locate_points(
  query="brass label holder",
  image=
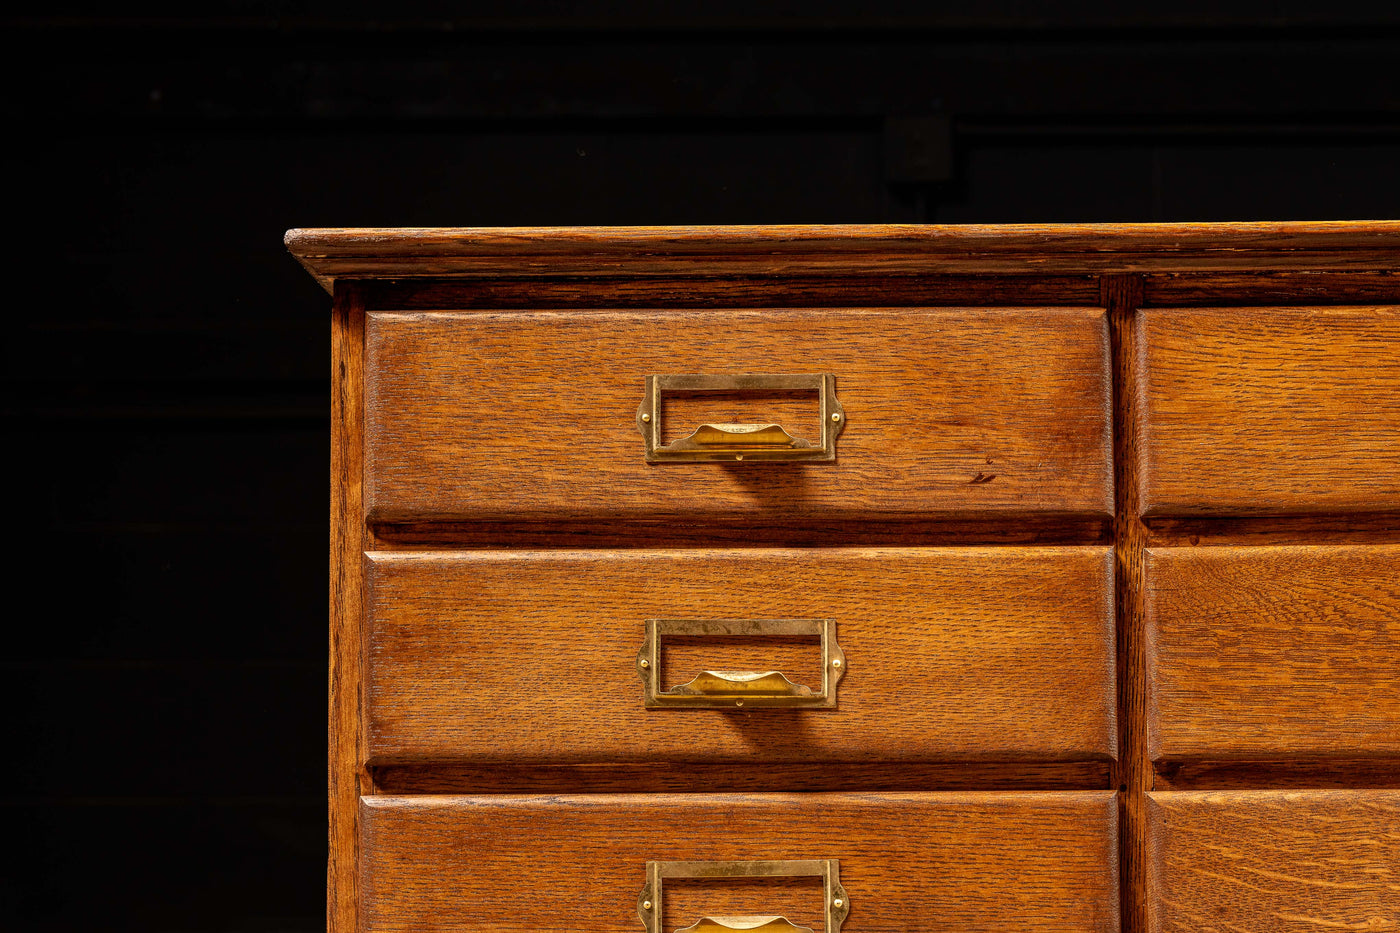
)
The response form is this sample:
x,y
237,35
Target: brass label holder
x,y
837,905
735,689
716,443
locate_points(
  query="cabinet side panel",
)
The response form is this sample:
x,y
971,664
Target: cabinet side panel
x,y
347,571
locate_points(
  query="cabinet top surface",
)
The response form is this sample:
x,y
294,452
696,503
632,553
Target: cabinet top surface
x,y
1009,249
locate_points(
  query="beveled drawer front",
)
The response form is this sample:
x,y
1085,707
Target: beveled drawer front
x,y
1273,652
929,862
950,654
1268,410
1273,861
531,415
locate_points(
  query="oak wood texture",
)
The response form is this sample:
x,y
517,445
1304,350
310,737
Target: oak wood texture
x,y
1273,652
961,862
1122,295
346,779
805,250
951,654
484,437
1269,410
1274,861
494,415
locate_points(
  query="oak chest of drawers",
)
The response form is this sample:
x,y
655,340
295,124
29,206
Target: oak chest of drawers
x,y
865,578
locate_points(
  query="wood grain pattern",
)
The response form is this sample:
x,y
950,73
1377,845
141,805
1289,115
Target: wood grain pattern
x,y
1273,652
1250,402
1274,861
952,412
1122,295
930,862
1269,410
885,248
346,780
966,654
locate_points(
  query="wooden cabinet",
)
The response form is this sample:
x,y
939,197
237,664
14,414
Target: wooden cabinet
x,y
864,578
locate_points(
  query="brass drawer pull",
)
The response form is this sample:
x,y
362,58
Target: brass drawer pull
x,y
728,442
729,689
837,905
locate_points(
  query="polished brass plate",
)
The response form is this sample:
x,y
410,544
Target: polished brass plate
x,y
735,689
722,442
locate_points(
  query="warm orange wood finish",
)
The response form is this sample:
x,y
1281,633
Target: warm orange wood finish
x,y
346,775
1248,645
1218,405
492,415
1122,296
531,656
852,250
1274,861
971,863
1269,410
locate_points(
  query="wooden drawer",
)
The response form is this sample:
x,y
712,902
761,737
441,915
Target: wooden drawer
x,y
928,862
533,415
1273,652
1268,410
950,654
1273,861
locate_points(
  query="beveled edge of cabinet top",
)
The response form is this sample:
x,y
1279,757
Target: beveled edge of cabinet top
x,y
1026,249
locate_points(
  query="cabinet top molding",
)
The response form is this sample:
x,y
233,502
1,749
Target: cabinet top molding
x,y
1004,249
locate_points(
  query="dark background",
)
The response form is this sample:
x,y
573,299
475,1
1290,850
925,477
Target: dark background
x,y
165,413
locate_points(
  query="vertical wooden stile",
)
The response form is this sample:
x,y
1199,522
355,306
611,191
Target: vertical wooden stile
x,y
1122,295
347,544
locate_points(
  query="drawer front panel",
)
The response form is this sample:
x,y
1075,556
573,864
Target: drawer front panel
x,y
1273,861
953,412
950,654
1269,410
1273,652
928,862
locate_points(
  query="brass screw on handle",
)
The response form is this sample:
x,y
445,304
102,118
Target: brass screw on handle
x,y
646,905
644,662
835,416
836,662
838,903
646,417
